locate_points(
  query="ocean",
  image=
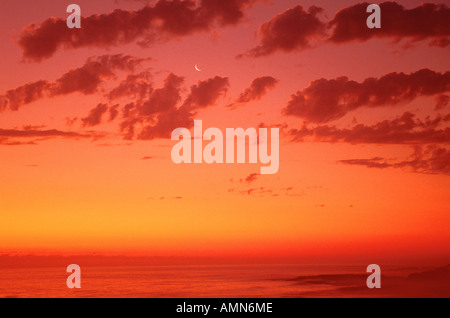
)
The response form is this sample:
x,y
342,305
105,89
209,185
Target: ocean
x,y
219,281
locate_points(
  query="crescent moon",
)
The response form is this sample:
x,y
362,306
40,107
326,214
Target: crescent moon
x,y
197,69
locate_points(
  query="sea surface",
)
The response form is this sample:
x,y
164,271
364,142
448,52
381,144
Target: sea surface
x,y
215,281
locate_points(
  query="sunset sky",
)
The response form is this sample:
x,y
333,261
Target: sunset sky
x,y
87,114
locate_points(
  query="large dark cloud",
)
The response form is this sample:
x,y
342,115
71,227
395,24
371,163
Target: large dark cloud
x,y
406,129
296,29
428,21
290,30
154,22
141,117
164,110
325,100
85,80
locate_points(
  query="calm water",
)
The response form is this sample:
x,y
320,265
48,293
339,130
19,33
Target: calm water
x,y
190,281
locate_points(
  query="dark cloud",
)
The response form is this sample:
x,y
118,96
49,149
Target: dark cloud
x,y
430,159
85,80
252,177
31,136
95,115
155,22
442,101
4,141
39,133
113,112
428,21
297,29
206,93
293,29
325,100
258,88
406,129
162,99
163,111
166,122
376,162
136,86
28,93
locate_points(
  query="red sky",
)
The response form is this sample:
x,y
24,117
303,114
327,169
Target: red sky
x,y
86,117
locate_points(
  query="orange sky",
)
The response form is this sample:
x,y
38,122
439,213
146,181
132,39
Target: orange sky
x,y
361,177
